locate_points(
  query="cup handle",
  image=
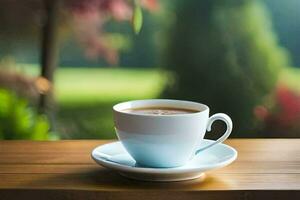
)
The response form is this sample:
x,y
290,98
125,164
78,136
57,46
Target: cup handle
x,y
219,116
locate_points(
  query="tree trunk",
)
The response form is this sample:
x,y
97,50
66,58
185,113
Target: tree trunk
x,y
49,48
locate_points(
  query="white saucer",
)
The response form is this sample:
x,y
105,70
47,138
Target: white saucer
x,y
215,157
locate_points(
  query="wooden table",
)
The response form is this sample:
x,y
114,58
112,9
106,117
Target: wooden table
x,y
265,168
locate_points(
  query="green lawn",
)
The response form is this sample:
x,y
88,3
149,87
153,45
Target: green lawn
x,y
85,97
83,85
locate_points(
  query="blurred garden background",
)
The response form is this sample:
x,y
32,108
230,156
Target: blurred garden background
x,y
65,63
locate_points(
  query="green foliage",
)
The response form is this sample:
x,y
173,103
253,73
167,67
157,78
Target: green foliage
x,y
284,15
137,17
224,54
290,77
18,120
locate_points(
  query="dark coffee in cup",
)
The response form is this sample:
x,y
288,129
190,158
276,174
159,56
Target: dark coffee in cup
x,y
160,110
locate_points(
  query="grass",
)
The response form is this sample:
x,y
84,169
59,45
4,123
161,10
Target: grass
x,y
85,97
84,85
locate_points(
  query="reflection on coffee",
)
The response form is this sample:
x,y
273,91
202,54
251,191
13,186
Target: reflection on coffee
x,y
160,111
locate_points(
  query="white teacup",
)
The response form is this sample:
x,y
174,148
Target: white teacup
x,y
165,140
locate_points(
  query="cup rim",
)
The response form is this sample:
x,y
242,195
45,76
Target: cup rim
x,y
116,107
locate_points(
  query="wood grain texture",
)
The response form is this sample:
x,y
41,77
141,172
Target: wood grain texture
x,y
264,168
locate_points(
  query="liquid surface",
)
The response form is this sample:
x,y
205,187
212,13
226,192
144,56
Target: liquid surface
x,y
160,111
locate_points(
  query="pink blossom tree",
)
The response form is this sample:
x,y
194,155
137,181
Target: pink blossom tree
x,y
88,18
